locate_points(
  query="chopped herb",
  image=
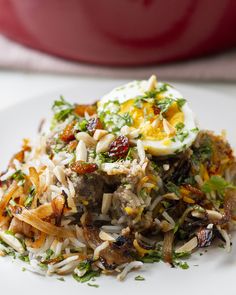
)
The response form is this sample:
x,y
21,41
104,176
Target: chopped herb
x,y
19,176
88,272
183,265
87,276
24,258
195,129
163,88
49,253
164,104
139,278
217,184
82,125
152,256
62,109
30,197
130,155
43,266
180,102
179,126
93,285
23,269
61,279
171,187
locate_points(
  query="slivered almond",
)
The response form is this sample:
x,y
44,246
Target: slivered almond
x,y
87,139
106,237
152,83
189,246
104,143
99,133
168,128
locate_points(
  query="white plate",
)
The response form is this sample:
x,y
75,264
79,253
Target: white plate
x,y
216,269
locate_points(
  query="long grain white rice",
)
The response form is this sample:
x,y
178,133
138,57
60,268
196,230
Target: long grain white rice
x,y
97,250
128,268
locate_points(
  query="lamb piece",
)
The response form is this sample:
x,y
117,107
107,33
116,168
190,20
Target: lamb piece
x,y
89,188
123,198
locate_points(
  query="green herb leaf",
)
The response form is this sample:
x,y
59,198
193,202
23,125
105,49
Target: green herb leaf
x,y
61,279
217,184
49,253
87,276
93,285
171,187
164,104
139,278
180,102
62,109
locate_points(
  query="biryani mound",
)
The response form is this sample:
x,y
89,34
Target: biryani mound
x,y
86,201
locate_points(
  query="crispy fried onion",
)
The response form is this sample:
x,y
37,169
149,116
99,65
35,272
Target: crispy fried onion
x,y
30,217
168,246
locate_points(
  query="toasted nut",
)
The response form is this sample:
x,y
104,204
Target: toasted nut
x,y
81,151
189,246
12,241
106,237
104,143
99,133
87,139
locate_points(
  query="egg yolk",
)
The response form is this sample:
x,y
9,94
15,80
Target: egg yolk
x,y
147,121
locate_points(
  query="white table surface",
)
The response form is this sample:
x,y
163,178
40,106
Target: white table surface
x,y
18,86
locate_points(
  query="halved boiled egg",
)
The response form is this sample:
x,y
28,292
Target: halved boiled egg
x,y
151,111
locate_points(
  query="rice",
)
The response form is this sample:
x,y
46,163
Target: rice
x,y
128,268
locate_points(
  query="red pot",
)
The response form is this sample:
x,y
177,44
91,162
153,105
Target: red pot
x,y
121,32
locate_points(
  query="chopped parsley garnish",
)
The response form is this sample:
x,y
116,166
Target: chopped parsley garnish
x,y
139,278
30,197
93,285
164,104
87,276
61,279
24,258
49,253
19,176
171,187
88,272
179,126
43,266
62,109
82,125
217,184
180,102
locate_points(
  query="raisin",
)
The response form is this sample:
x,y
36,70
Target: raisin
x,y
68,133
93,124
156,110
80,109
119,147
81,167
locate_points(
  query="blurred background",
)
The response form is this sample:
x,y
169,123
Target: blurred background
x,y
45,44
